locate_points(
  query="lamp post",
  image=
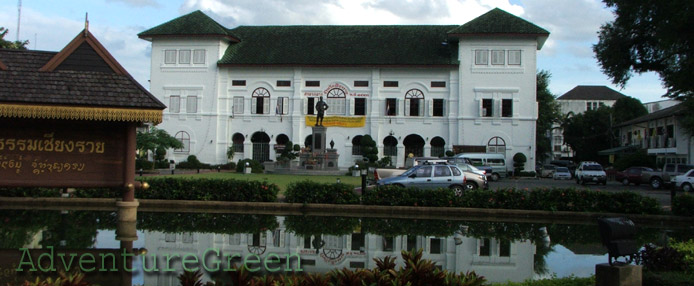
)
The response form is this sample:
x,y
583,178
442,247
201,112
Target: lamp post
x,y
363,180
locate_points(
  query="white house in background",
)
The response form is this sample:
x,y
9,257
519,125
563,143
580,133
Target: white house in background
x,y
578,100
660,133
418,89
661,104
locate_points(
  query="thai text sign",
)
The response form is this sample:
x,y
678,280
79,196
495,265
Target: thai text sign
x,y
338,121
52,153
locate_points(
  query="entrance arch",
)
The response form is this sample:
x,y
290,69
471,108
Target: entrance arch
x,y
414,144
261,146
438,146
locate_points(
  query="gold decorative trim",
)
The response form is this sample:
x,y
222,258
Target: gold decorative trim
x,y
80,113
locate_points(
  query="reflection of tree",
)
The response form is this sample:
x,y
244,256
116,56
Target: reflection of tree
x,y
396,227
317,225
205,222
61,230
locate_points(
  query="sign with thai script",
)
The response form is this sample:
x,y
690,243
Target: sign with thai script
x,y
332,86
52,153
338,121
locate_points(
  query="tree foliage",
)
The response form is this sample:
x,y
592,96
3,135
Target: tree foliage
x,y
16,45
369,149
548,114
628,108
589,132
649,36
154,139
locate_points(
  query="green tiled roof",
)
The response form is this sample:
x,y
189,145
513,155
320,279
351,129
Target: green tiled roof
x,y
498,21
193,24
341,45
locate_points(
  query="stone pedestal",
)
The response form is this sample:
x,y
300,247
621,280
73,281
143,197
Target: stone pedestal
x,y
618,275
127,211
318,139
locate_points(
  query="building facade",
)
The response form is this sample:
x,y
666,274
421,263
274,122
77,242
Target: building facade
x,y
417,90
576,101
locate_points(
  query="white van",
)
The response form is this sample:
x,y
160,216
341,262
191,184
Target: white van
x,y
495,160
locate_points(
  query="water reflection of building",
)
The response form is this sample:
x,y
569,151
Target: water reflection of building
x,y
497,259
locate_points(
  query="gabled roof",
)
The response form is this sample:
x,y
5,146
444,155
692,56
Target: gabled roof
x,y
83,82
195,24
663,113
499,22
591,92
396,45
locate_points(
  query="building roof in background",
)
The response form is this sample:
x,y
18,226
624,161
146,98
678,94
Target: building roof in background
x,y
663,113
195,23
83,81
591,92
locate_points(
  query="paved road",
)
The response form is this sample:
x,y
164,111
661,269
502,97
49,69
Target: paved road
x,y
662,195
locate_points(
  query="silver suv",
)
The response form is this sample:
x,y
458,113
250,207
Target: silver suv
x,y
429,176
590,172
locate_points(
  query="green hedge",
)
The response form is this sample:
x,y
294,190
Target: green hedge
x,y
173,188
683,205
29,192
555,199
309,192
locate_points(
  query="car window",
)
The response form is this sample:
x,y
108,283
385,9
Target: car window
x,y
476,162
424,171
442,171
669,168
634,171
495,162
549,167
456,171
691,174
562,170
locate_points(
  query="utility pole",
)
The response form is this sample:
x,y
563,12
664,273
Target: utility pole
x,y
19,16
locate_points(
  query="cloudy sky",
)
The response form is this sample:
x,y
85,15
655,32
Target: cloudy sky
x,y
567,55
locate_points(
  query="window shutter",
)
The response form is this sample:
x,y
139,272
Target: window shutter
x,y
498,108
306,106
254,105
407,107
352,106
481,107
430,103
285,105
443,107
266,105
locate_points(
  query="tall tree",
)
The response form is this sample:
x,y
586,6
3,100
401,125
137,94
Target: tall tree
x,y
4,44
589,132
628,108
649,36
155,139
548,114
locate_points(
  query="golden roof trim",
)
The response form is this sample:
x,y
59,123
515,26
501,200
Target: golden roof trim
x,y
80,113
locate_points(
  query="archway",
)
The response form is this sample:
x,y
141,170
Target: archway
x,y
261,146
237,141
390,148
356,145
414,144
308,140
438,147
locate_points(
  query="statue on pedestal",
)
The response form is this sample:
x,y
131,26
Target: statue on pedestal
x,y
321,107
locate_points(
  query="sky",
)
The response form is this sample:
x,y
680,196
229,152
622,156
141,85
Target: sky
x,y
573,25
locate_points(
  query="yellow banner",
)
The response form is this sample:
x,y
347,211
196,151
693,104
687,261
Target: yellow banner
x,y
338,121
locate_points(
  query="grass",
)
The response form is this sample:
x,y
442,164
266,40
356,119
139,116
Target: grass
x,y
554,281
282,181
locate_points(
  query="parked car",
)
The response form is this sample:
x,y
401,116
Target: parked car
x,y
661,178
561,173
459,161
429,176
590,172
685,181
547,171
474,178
565,163
631,175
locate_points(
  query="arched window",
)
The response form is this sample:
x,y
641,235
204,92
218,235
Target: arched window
x,y
356,145
237,140
261,146
496,145
184,137
336,101
260,103
390,146
438,146
414,103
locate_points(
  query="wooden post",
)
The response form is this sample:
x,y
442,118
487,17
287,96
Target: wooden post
x,y
129,163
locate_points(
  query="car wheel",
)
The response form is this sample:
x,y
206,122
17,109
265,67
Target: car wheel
x,y
687,187
470,186
458,190
656,183
625,182
495,177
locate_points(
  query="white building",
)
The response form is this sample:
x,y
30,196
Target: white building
x,y
414,89
576,101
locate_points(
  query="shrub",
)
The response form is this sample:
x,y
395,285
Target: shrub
x,y
29,192
450,153
174,188
311,192
655,258
683,205
667,278
141,163
527,174
227,166
519,162
192,162
256,167
686,248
